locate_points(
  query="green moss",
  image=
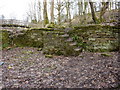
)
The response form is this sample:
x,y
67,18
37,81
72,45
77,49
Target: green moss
x,y
105,54
52,51
89,36
51,25
111,21
94,38
6,41
27,52
39,49
49,56
32,38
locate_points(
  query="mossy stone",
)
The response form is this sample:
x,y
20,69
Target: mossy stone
x,y
49,56
105,54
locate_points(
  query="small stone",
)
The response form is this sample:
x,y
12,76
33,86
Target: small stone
x,y
91,57
16,84
47,74
113,80
73,44
26,81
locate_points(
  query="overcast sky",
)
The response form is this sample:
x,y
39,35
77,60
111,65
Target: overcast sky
x,y
14,8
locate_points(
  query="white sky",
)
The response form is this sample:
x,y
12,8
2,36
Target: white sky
x,y
14,8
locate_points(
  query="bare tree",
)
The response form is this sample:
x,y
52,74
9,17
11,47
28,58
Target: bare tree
x,y
39,11
32,13
85,10
93,12
45,15
52,11
103,9
80,7
59,9
68,6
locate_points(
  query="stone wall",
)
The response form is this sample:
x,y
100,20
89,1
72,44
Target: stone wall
x,y
5,40
97,38
89,38
30,38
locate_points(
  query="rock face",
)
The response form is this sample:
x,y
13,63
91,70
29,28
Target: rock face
x,y
58,41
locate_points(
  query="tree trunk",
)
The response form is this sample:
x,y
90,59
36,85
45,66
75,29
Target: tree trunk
x,y
68,15
103,10
39,11
80,7
93,12
85,8
46,21
79,4
59,13
34,13
52,11
67,10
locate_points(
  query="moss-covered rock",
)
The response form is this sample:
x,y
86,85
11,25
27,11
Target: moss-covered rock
x,y
5,40
96,37
52,43
49,56
105,54
31,38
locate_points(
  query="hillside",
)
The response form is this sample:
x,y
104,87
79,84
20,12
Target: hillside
x,y
109,16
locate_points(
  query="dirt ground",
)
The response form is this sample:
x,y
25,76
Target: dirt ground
x,y
29,68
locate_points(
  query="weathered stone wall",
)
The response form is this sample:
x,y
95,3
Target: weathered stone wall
x,y
30,38
89,38
96,38
52,42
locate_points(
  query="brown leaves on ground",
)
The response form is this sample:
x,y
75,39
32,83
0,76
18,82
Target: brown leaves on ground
x,y
27,67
